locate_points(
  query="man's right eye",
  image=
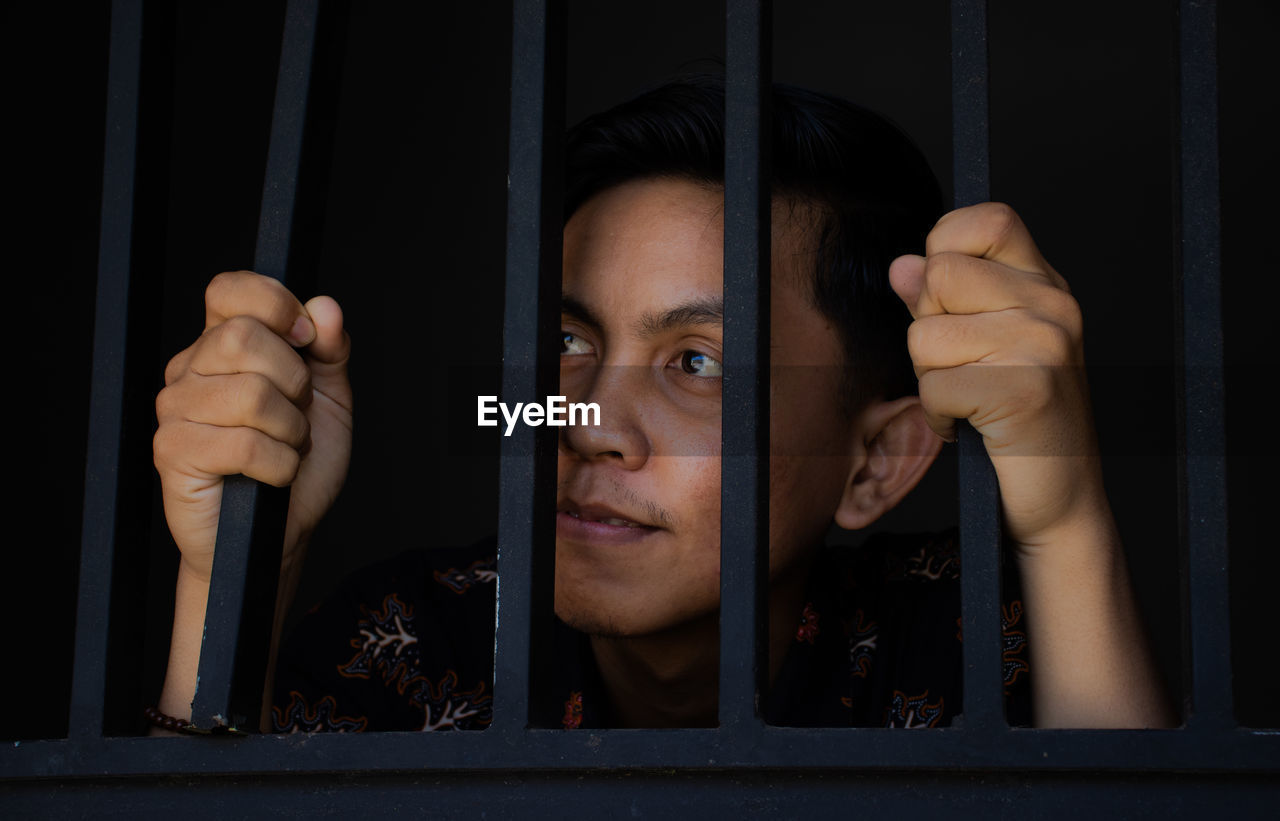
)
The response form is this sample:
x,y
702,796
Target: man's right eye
x,y
571,345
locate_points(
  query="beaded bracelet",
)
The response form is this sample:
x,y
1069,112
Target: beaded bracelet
x,y
166,722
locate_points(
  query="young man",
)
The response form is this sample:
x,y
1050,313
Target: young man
x,y
995,339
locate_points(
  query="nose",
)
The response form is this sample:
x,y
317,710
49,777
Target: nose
x,y
619,438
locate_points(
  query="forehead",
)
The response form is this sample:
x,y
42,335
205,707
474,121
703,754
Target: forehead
x,y
646,241
666,235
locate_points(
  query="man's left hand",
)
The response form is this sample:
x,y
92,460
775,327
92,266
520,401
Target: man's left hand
x,y
997,340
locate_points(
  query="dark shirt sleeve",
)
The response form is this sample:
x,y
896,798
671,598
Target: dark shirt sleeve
x,y
406,644
880,640
921,601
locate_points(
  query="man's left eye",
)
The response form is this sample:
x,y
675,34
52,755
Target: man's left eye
x,y
697,363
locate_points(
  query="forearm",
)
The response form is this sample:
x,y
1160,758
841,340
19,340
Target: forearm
x,y
1092,665
191,597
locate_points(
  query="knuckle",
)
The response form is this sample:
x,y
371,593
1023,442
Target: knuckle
x,y
248,447
1065,310
938,269
924,337
281,306
291,462
1049,342
266,459
304,434
1034,388
264,296
939,228
166,404
931,388
236,335
299,382
173,369
160,444
165,447
1059,342
943,271
998,218
916,339
281,466
253,395
220,285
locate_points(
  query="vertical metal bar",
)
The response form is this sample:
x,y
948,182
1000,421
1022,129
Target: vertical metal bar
x,y
234,654
530,369
1203,442
744,490
111,318
979,494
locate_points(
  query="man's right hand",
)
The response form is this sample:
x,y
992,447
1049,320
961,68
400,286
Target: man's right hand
x,y
263,392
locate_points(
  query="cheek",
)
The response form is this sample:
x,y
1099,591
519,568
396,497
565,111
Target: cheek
x,y
685,424
688,483
695,501
692,580
810,448
803,495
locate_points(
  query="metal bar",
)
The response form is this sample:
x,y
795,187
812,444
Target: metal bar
x,y
111,318
1203,446
744,490
527,487
665,795
234,654
979,494
1111,752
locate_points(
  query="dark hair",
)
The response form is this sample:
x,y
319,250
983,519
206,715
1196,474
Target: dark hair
x,y
875,196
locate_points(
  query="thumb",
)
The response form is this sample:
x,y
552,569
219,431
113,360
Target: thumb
x,y
329,351
906,277
331,344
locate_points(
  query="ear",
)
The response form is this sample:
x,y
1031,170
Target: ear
x,y
895,448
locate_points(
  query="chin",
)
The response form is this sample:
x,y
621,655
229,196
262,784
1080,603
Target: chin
x,y
596,612
594,617
594,625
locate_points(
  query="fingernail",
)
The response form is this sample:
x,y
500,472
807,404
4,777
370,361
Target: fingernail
x,y
302,331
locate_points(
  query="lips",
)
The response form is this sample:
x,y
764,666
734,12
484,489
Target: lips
x,y
600,514
608,521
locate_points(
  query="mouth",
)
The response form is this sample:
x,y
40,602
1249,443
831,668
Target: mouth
x,y
604,520
598,523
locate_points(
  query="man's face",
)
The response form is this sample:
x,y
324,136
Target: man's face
x,y
638,516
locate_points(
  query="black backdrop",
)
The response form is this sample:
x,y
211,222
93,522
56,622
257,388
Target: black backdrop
x,y
409,239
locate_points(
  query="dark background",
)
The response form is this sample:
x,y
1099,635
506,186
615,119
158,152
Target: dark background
x,y
410,240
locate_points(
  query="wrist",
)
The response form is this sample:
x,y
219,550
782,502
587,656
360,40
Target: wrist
x,y
1081,519
1082,554
194,573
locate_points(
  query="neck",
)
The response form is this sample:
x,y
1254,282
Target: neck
x,y
672,678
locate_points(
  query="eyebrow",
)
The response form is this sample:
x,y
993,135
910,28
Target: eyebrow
x,y
705,311
575,309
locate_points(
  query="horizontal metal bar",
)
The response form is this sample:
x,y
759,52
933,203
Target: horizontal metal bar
x,y
870,750
713,794
744,488
527,486
242,594
979,492
1204,441
107,389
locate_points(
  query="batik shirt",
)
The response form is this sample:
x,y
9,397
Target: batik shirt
x,y
407,644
